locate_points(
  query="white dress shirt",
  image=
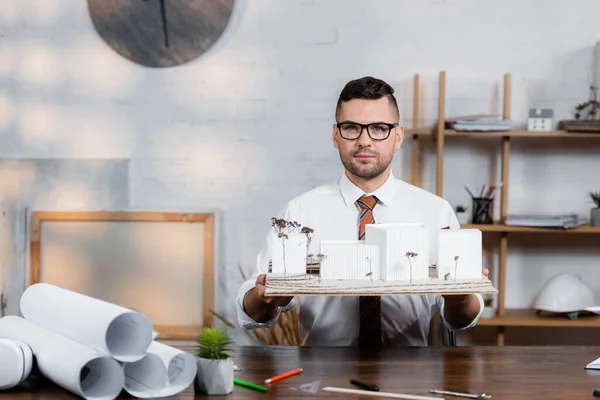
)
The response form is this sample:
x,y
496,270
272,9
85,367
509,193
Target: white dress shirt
x,y
333,214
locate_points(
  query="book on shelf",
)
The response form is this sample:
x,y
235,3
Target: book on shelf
x,y
565,221
480,122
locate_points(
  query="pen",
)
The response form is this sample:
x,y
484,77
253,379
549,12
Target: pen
x,y
470,193
365,386
284,375
250,385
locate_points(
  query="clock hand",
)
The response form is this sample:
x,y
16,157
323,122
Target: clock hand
x,y
163,14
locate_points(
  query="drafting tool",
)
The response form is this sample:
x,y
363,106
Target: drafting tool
x,y
457,393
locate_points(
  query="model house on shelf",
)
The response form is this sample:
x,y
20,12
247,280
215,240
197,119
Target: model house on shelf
x,y
540,120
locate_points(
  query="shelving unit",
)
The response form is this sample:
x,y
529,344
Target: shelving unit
x,y
438,134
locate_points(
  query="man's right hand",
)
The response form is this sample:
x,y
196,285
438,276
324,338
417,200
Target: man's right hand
x,y
260,307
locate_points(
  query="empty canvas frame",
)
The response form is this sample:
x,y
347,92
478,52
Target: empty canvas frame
x,y
161,264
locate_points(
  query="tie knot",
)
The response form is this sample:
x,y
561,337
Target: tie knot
x,y
367,202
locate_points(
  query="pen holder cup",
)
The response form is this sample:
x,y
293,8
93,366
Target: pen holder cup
x,y
482,211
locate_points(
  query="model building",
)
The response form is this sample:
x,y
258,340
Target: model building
x,y
390,252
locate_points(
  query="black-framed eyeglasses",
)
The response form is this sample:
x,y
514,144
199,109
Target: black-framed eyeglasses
x,y
350,130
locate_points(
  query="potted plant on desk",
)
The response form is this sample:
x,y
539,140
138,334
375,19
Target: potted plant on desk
x,y
215,365
488,308
595,212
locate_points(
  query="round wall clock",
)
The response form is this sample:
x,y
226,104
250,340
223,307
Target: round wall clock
x,y
160,33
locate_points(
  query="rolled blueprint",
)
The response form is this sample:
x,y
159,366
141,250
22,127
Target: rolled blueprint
x,y
71,365
146,377
120,332
181,368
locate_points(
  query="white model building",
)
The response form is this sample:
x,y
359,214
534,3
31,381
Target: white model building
x,y
355,260
390,252
459,254
404,250
289,253
540,119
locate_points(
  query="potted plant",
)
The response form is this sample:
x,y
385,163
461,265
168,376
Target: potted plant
x,y
215,365
595,212
488,308
461,214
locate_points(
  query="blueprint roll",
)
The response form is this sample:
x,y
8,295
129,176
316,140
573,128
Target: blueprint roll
x,y
71,365
120,332
181,368
146,377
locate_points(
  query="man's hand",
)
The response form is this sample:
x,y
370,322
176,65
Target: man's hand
x,y
260,307
461,309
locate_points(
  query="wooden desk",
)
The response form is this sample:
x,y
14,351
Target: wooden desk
x,y
504,372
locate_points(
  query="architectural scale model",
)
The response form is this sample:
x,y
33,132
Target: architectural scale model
x,y
393,259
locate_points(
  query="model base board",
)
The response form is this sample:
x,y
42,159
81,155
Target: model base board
x,y
311,285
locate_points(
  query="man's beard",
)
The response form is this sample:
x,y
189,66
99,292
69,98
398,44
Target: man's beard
x,y
363,171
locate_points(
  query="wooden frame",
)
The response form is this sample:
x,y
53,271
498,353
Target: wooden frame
x,y
186,332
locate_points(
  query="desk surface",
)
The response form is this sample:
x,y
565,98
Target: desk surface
x,y
504,372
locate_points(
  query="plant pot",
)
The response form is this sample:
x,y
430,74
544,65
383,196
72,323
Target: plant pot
x,y
214,377
463,218
488,312
595,217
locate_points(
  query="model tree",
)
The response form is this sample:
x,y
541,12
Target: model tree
x,y
410,255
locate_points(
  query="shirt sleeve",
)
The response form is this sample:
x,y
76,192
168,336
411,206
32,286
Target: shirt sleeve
x,y
473,323
262,267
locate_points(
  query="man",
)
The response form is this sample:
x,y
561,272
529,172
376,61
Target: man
x,y
367,134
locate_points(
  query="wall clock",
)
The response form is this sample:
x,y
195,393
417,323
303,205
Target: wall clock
x,y
160,33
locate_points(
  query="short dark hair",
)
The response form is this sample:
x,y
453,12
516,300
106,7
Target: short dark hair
x,y
368,88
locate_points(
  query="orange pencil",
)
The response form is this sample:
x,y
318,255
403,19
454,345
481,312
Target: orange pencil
x,y
284,375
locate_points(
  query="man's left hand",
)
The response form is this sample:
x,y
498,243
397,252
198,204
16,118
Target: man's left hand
x,y
454,300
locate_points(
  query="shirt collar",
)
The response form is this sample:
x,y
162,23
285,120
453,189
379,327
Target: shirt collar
x,y
350,192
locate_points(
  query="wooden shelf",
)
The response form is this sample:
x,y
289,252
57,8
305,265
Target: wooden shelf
x,y
515,133
528,229
422,136
525,317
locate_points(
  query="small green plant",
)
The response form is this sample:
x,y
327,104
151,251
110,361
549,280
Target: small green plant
x,y
461,209
488,302
595,196
214,344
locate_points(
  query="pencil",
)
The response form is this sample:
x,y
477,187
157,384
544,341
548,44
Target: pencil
x,y
284,375
379,394
250,385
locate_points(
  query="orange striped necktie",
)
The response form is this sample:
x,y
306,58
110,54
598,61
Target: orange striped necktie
x,y
370,333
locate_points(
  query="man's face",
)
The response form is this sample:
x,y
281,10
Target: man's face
x,y
364,157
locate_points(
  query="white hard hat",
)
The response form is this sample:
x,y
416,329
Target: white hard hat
x,y
565,293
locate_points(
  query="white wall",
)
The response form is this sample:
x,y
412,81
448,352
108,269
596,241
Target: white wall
x,y
247,126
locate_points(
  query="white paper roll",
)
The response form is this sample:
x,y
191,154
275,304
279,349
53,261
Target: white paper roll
x,y
181,368
71,365
146,377
120,332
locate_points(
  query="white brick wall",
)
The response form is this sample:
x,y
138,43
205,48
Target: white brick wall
x,y
249,124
